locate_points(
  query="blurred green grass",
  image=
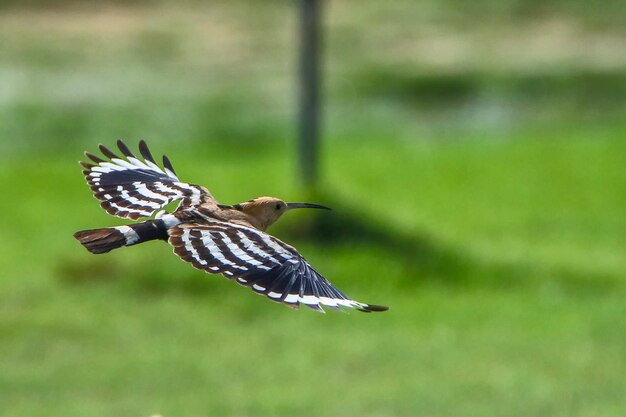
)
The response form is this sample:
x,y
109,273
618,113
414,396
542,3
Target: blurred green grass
x,y
506,291
484,203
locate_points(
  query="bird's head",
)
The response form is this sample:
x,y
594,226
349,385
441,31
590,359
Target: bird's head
x,y
265,211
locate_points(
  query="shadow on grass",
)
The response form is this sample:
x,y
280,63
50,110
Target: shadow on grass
x,y
428,261
423,259
136,278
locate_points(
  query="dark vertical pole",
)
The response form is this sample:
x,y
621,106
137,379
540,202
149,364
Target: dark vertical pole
x,y
309,90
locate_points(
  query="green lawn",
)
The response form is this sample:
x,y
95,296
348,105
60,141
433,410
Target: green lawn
x,y
482,201
503,263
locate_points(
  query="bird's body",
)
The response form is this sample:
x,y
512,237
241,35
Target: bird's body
x,y
217,238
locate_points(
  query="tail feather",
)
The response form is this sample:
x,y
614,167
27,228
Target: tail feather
x,y
101,240
109,238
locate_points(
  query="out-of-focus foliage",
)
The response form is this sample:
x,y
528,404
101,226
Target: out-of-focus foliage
x,y
474,154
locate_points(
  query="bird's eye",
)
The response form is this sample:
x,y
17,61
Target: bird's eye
x,y
278,206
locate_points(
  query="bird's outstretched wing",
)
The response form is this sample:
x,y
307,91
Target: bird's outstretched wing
x,y
131,188
259,261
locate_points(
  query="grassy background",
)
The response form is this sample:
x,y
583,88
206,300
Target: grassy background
x,y
476,171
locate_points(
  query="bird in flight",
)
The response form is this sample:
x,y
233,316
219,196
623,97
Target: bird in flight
x,y
216,238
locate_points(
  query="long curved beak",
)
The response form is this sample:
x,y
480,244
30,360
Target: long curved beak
x,y
306,205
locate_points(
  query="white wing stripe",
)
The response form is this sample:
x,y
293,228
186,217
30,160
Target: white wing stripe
x,y
276,247
239,253
191,249
137,163
291,298
110,166
208,242
195,192
185,186
129,210
248,244
122,163
103,169
155,167
170,174
284,253
331,302
164,188
144,191
309,299
134,200
346,303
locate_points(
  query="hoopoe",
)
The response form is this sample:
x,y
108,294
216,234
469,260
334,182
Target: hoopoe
x,y
217,238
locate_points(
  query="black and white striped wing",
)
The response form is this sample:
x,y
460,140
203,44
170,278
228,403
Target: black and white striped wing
x,y
131,188
259,261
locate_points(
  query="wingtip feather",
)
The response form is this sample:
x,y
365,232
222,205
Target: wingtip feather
x,y
93,157
369,308
106,152
168,165
145,151
124,149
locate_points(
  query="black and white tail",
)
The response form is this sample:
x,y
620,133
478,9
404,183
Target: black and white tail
x,y
109,238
